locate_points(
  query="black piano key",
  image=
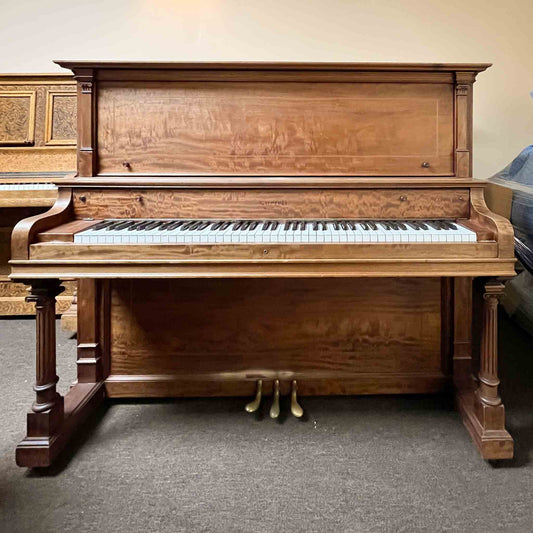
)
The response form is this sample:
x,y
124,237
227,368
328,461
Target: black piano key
x,y
372,225
237,225
204,225
216,225
114,225
401,225
393,225
315,226
254,225
186,225
138,224
324,225
129,224
245,225
154,224
413,225
275,225
452,226
175,224
363,225
446,225
350,224
165,225
422,225
266,225
287,226
225,225
343,225
102,225
432,224
335,225
303,225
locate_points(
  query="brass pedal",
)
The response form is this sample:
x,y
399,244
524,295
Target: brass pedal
x,y
274,410
253,406
296,408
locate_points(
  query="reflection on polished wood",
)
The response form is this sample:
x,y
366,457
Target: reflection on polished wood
x,y
274,141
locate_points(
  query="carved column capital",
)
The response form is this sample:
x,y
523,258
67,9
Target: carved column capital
x,y
462,90
43,292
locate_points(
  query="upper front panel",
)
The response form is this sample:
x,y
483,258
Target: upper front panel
x,y
275,128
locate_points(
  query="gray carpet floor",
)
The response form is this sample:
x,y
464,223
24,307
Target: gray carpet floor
x,y
361,464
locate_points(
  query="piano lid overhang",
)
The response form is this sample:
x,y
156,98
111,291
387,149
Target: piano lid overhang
x,y
266,66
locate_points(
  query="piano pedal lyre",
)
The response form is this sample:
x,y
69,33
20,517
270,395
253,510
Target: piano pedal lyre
x,y
296,408
274,409
253,406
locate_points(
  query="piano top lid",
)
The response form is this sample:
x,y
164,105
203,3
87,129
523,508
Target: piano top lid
x,y
274,66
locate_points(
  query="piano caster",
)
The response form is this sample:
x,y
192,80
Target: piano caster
x,y
274,410
296,408
253,406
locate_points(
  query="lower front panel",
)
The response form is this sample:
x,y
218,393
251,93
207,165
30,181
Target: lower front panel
x,y
335,336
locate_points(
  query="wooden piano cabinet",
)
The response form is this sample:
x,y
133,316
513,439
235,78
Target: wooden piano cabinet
x,y
259,141
37,145
217,337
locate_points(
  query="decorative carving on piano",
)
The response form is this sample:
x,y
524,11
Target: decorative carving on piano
x,y
24,143
60,122
462,90
17,118
87,87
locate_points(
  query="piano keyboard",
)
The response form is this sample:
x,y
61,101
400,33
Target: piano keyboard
x,y
26,186
174,231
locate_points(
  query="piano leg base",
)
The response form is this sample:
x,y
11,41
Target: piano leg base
x,y
80,402
486,427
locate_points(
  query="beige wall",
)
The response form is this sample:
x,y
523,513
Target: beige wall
x,y
33,32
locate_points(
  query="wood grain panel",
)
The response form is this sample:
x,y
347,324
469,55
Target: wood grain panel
x,y
286,203
17,117
276,128
261,327
55,246
60,121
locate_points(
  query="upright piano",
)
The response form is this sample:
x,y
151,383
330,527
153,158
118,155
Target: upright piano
x,y
267,229
37,147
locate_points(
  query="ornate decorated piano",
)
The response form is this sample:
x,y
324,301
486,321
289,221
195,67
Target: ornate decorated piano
x,y
37,147
269,229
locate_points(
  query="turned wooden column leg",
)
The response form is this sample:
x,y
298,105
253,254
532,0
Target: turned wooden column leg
x,y
480,404
489,406
488,364
53,420
46,413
